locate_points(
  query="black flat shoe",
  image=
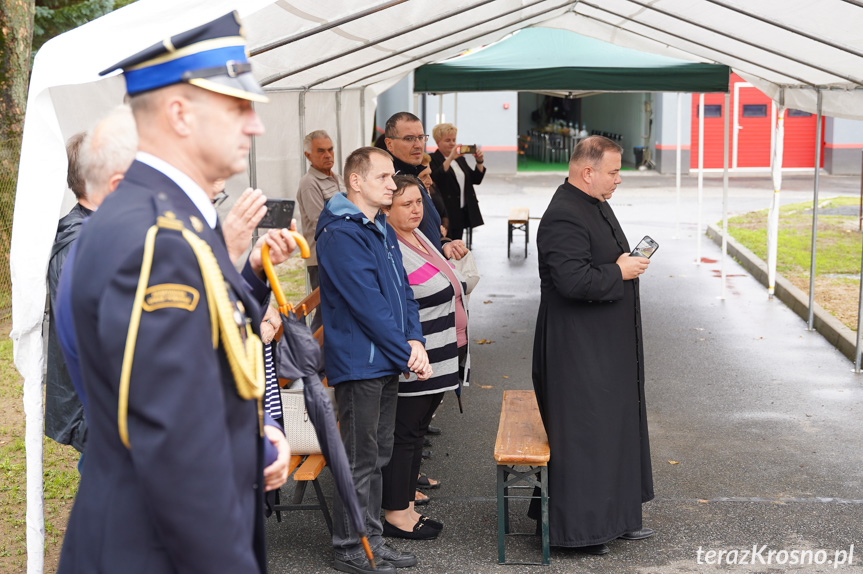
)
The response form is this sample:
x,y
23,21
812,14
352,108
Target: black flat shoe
x,y
433,430
423,483
427,454
593,549
361,565
431,522
421,531
421,501
638,534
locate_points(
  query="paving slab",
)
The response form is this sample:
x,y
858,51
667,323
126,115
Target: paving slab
x,y
755,422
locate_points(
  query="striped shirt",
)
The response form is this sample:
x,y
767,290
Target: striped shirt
x,y
272,398
436,296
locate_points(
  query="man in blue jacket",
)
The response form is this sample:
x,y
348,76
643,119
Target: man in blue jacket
x,y
372,334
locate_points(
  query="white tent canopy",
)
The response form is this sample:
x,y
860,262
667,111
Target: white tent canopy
x,y
325,63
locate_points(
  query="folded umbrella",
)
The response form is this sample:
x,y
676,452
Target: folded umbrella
x,y
300,357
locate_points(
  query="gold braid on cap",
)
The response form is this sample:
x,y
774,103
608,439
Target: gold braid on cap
x,y
245,359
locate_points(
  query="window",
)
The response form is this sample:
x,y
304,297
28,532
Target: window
x,y
754,110
798,114
711,111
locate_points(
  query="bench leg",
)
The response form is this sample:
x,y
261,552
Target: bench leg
x,y
508,238
501,515
526,236
323,502
299,491
543,479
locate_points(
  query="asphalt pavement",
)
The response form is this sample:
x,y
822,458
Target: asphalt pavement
x,y
755,422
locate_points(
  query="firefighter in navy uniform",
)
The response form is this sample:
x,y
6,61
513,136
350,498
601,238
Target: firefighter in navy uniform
x,y
167,331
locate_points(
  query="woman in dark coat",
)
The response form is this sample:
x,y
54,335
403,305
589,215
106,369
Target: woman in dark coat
x,y
588,360
455,184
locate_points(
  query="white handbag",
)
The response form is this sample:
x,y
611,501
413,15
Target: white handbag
x,y
299,431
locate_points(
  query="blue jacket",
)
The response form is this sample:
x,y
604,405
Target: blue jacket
x,y
368,307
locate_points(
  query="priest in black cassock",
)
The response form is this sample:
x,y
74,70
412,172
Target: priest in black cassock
x,y
588,361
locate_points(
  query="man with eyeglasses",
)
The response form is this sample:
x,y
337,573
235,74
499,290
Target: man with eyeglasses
x,y
406,140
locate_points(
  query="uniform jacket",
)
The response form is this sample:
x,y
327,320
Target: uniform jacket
x,y
368,307
64,413
187,495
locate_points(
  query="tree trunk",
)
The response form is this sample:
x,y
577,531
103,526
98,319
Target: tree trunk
x,y
16,32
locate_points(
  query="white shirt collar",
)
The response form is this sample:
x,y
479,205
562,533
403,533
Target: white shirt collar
x,y
197,195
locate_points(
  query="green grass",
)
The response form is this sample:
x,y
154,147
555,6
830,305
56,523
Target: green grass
x,y
838,245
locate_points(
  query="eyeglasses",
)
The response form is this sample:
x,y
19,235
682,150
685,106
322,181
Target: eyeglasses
x,y
411,139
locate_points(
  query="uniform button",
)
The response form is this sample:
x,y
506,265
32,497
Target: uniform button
x,y
255,486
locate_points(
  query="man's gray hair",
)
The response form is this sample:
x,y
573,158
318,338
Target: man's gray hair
x,y
591,149
307,141
109,148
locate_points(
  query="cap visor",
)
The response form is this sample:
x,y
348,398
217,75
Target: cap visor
x,y
243,86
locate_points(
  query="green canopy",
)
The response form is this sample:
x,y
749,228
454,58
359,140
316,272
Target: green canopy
x,y
549,59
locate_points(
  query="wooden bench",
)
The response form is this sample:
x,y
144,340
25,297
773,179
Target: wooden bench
x,y
306,468
519,219
521,441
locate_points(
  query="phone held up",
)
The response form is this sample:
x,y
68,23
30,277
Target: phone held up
x,y
467,149
645,248
279,214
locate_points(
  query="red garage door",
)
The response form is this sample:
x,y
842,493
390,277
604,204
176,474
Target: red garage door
x,y
753,123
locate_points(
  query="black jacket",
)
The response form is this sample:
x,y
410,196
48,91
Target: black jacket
x,y
430,225
447,185
64,413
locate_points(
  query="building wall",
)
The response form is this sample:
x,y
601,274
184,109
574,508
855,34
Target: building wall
x,y
843,146
665,131
618,113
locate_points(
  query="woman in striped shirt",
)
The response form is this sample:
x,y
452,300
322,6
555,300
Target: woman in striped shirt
x,y
439,291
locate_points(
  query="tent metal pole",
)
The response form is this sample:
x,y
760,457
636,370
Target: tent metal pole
x,y
363,140
679,37
453,45
859,321
439,109
700,176
324,27
820,40
811,321
773,213
725,192
369,44
455,108
416,109
302,124
677,174
339,163
746,42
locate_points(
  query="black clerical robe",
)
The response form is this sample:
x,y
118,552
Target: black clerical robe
x,y
588,372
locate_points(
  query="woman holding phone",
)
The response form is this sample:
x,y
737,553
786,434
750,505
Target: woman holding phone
x,y
455,180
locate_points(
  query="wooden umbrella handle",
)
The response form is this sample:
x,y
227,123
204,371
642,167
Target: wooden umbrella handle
x,y
305,253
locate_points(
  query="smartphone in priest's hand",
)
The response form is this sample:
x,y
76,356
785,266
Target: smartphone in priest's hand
x,y
279,214
645,248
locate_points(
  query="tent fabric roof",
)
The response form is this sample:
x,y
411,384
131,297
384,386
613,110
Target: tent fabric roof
x,y
554,59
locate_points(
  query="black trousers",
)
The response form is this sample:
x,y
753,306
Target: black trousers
x,y
413,415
